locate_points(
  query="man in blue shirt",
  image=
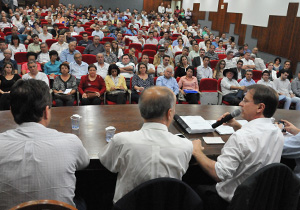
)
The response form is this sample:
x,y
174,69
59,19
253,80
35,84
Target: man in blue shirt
x,y
247,81
14,31
168,81
78,68
67,55
291,147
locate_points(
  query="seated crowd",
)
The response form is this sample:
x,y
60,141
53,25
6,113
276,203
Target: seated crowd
x,y
161,58
78,37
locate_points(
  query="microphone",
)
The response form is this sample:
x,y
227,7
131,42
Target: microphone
x,y
228,117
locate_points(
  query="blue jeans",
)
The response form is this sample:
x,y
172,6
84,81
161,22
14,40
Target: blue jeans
x,y
290,100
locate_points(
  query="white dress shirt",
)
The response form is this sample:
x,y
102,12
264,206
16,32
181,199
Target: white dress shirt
x,y
149,153
102,71
257,144
59,47
44,37
39,163
226,84
40,76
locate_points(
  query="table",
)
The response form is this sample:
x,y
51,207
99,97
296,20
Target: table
x,y
127,118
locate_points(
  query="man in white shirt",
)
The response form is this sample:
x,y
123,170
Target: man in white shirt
x,y
102,67
202,44
232,92
248,64
78,28
136,39
250,148
37,162
137,156
60,45
150,67
230,63
43,57
98,32
195,52
204,71
283,87
232,48
45,35
258,62
165,64
4,24
151,40
34,73
161,9
126,68
78,68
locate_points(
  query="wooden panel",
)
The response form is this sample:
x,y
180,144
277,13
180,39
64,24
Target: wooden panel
x,y
153,5
197,15
48,3
281,37
221,21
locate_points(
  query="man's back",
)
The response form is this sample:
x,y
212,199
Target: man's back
x,y
146,154
38,163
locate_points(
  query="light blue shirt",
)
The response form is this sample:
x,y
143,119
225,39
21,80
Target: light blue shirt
x,y
98,33
79,70
245,82
50,68
66,56
170,83
291,149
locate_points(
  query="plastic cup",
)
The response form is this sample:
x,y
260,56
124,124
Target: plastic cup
x,y
110,132
75,121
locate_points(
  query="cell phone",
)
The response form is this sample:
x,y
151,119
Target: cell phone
x,y
283,129
180,135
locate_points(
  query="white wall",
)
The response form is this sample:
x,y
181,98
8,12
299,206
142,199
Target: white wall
x,y
255,12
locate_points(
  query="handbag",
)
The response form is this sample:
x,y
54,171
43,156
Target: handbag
x,y
63,97
91,95
181,97
116,92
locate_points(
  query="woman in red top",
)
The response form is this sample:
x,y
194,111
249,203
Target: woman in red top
x,y
91,87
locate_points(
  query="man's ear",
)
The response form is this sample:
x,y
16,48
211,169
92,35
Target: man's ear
x,y
261,107
46,115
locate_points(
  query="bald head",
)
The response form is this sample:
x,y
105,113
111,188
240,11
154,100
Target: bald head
x,y
156,102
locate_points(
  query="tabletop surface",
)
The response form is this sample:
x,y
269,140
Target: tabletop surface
x,y
127,118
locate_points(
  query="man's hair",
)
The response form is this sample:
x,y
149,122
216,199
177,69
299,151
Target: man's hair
x,y
31,62
30,54
240,61
34,35
29,99
156,107
287,61
266,95
206,57
166,56
229,52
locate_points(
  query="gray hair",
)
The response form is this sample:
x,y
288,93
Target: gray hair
x,y
155,102
77,53
253,55
31,62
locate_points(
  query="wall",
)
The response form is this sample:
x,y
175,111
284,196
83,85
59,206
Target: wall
x,y
279,37
123,5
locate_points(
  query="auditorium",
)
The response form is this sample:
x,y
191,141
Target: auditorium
x,y
149,104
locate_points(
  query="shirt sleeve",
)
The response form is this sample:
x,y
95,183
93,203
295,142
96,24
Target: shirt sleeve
x,y
291,147
231,156
63,56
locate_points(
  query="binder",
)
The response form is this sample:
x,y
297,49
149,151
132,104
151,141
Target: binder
x,y
193,124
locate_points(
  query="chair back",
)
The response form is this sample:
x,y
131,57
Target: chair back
x,y
257,74
160,194
208,84
213,63
20,57
49,42
89,58
44,205
273,187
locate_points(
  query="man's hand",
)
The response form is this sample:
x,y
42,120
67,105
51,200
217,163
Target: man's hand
x,y
289,127
84,95
232,123
197,147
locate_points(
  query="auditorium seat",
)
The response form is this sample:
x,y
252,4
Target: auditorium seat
x,y
89,58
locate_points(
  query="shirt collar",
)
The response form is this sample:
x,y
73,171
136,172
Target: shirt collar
x,y
154,125
264,121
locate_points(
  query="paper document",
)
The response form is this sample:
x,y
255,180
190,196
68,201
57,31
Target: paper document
x,y
196,124
213,140
225,129
67,91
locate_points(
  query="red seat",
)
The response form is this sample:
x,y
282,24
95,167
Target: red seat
x,y
88,58
82,32
150,53
127,42
126,51
78,37
80,49
256,74
2,34
60,24
43,14
8,33
177,53
136,46
89,23
49,42
222,56
175,35
108,39
150,47
91,38
219,89
20,57
2,39
213,63
151,59
31,40
89,30
6,29
208,85
154,80
199,40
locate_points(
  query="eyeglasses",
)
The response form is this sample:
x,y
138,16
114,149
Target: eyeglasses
x,y
246,101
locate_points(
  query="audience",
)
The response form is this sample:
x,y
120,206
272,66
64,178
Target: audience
x,y
168,81
101,65
78,68
34,73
